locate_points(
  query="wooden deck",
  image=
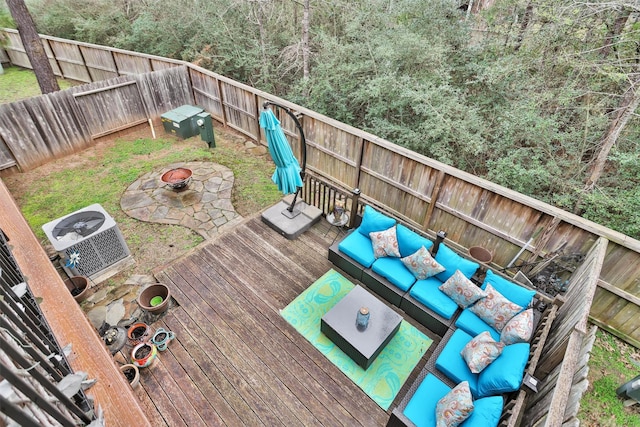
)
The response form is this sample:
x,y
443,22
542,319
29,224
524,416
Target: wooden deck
x,y
235,360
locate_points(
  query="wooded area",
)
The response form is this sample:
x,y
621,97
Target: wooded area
x,y
535,96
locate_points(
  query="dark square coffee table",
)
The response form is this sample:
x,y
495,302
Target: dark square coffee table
x,y
363,346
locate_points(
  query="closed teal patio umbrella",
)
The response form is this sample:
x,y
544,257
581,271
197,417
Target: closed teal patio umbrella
x,y
287,174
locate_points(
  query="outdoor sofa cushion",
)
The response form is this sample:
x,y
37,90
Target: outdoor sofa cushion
x,y
421,409
393,269
422,264
451,261
473,325
428,291
495,309
503,375
454,407
357,244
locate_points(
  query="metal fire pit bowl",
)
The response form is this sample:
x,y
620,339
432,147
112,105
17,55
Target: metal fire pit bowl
x,y
177,179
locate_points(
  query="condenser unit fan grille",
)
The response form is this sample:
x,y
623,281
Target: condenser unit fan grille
x,y
99,252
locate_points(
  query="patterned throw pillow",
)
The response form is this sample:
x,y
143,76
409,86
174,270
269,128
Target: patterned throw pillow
x,y
462,290
422,264
481,351
455,407
385,243
495,309
518,329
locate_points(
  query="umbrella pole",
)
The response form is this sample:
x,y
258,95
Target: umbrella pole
x,y
303,142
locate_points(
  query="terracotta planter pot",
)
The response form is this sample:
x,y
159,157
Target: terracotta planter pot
x,y
155,298
139,333
480,254
131,373
79,287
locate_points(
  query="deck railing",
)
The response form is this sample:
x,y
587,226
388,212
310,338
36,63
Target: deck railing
x,y
31,360
343,161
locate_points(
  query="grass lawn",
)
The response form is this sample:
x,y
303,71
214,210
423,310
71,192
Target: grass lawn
x,y
18,83
101,173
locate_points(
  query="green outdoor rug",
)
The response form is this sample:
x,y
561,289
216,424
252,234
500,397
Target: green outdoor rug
x,y
392,367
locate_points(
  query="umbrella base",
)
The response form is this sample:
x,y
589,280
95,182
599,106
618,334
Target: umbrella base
x,y
291,224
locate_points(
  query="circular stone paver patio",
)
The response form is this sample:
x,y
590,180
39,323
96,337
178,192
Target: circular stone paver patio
x,y
204,206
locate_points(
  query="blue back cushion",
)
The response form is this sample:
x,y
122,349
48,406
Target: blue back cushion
x,y
409,242
372,220
451,261
486,412
451,363
469,322
504,374
511,291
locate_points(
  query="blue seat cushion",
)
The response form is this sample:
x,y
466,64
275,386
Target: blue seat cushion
x,y
486,412
469,322
511,291
504,374
421,409
409,242
451,363
358,247
395,272
426,291
372,220
451,261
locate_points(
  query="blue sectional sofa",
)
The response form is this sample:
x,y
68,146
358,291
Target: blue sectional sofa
x,y
460,311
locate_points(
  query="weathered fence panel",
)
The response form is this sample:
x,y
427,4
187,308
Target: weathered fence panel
x,y
70,61
40,129
99,62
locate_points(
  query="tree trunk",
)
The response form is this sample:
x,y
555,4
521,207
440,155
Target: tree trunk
x,y
614,32
526,19
305,40
33,46
628,106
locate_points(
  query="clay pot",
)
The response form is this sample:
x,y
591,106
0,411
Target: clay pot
x,y
480,254
79,287
138,333
131,373
144,354
148,299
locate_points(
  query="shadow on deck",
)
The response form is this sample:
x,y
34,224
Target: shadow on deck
x,y
235,360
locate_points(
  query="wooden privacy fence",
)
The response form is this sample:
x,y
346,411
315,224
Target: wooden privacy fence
x,y
36,130
422,192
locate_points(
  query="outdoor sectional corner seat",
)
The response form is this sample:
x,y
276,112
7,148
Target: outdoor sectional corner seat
x,y
420,410
503,375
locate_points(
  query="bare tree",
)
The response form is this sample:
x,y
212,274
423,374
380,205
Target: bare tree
x,y
33,46
628,105
305,40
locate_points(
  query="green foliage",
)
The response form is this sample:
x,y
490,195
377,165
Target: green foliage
x,y
611,364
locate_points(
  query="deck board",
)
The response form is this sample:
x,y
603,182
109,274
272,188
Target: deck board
x,y
235,360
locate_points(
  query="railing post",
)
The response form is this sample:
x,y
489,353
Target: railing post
x,y
354,207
